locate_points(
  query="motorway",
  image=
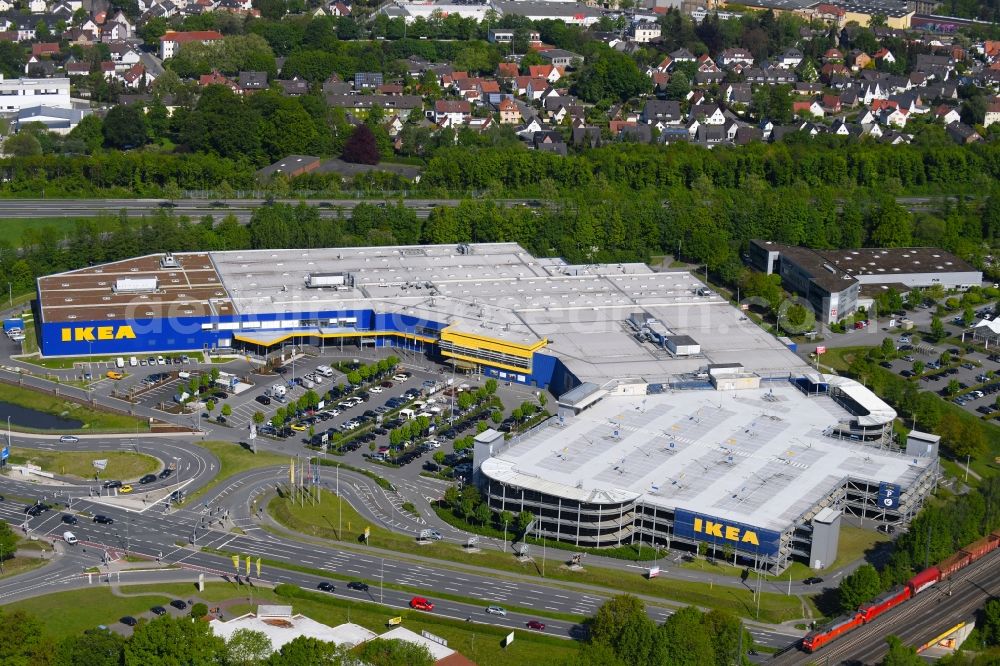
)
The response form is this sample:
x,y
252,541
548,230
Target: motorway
x,y
242,209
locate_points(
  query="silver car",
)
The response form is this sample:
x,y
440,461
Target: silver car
x,y
497,610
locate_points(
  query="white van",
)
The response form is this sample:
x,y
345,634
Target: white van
x,y
70,538
133,361
119,362
325,370
279,390
406,414
307,384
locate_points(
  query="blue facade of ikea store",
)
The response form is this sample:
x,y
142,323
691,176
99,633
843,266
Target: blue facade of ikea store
x,y
153,335
720,532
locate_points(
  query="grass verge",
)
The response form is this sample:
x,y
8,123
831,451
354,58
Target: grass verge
x,y
121,464
19,565
93,419
69,613
322,521
234,459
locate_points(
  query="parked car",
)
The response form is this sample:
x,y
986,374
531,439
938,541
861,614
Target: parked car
x,y
129,621
263,399
178,604
158,610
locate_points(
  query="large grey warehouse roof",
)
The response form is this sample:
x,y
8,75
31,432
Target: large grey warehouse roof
x,y
501,291
759,456
497,290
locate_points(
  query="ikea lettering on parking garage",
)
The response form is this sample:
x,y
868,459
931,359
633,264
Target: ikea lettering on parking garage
x,y
728,532
96,333
721,532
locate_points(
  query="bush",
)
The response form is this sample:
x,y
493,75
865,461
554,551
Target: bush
x,y
199,610
288,590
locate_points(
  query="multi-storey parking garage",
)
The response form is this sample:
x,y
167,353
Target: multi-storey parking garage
x,y
680,420
753,468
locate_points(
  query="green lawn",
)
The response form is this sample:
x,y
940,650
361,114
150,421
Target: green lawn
x,y
69,362
234,459
12,229
93,420
19,565
322,521
69,613
121,464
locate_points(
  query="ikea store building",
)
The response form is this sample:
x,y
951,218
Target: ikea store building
x,y
679,420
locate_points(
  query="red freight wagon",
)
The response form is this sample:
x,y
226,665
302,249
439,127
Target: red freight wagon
x,y
954,563
817,639
888,600
981,547
923,580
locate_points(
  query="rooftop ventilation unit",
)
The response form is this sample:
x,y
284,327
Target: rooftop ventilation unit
x,y
168,261
318,280
135,285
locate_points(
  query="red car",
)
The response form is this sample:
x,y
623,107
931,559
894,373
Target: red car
x,y
420,603
536,625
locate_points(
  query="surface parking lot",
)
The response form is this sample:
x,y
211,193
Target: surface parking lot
x,y
258,398
976,375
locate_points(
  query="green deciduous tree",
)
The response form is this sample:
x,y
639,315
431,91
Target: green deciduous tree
x,y
381,652
21,640
125,127
305,651
900,654
167,641
684,639
610,75
247,647
860,586
94,648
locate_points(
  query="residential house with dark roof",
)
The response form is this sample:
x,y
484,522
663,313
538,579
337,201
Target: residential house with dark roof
x,y
366,80
549,141
251,82
661,111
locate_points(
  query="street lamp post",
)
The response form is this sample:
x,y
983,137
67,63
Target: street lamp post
x,y
381,578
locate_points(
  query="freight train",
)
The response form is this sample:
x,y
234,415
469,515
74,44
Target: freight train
x,y
923,580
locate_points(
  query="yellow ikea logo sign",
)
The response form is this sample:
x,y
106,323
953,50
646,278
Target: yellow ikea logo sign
x,y
95,333
727,532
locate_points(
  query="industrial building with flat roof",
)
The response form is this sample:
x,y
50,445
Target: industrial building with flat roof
x,y
679,419
491,307
832,280
748,465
